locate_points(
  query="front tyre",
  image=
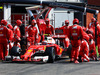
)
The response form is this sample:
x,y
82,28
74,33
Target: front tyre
x,y
51,53
15,51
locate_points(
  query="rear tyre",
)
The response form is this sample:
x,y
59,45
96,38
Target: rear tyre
x,y
80,60
69,50
51,53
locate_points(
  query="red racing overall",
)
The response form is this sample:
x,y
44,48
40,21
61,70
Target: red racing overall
x,y
75,35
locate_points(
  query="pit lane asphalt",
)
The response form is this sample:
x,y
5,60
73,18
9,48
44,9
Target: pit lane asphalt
x,y
60,67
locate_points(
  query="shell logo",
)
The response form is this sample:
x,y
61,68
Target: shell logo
x,y
29,50
1,7
0,32
44,47
60,50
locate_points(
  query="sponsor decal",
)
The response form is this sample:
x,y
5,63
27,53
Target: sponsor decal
x,y
0,32
60,50
44,47
29,50
18,29
31,29
41,48
74,27
1,28
74,33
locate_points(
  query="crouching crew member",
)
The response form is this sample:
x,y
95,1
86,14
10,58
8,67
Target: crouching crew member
x,y
92,49
84,51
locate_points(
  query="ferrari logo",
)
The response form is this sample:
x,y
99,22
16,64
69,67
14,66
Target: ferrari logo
x,y
0,32
74,31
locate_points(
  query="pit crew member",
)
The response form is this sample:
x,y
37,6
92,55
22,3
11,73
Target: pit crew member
x,y
17,33
84,51
11,36
4,39
49,28
92,49
92,24
32,34
76,36
65,32
98,37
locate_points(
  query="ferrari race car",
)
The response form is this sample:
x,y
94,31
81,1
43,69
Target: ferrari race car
x,y
47,51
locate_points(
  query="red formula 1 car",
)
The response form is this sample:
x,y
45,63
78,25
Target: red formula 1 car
x,y
47,51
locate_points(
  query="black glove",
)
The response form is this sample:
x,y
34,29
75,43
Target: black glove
x,y
8,41
92,51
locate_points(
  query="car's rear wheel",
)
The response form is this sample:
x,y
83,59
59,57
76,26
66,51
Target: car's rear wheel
x,y
51,53
69,50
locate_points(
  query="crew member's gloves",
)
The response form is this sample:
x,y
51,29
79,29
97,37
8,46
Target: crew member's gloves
x,y
8,41
92,51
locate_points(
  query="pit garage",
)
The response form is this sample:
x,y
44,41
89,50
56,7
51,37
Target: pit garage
x,y
17,11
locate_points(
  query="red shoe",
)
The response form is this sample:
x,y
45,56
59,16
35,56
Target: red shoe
x,y
71,60
76,62
3,59
82,59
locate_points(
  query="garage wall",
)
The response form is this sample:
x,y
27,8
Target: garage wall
x,y
89,16
60,15
60,18
94,2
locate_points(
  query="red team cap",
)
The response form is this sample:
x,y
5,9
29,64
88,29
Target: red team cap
x,y
3,22
67,21
75,21
19,22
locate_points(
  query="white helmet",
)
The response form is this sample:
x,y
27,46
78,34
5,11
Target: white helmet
x,y
50,40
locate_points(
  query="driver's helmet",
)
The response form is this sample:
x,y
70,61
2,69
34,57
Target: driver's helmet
x,y
50,40
44,42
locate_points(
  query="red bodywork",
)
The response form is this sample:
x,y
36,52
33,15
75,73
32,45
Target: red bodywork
x,y
33,49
